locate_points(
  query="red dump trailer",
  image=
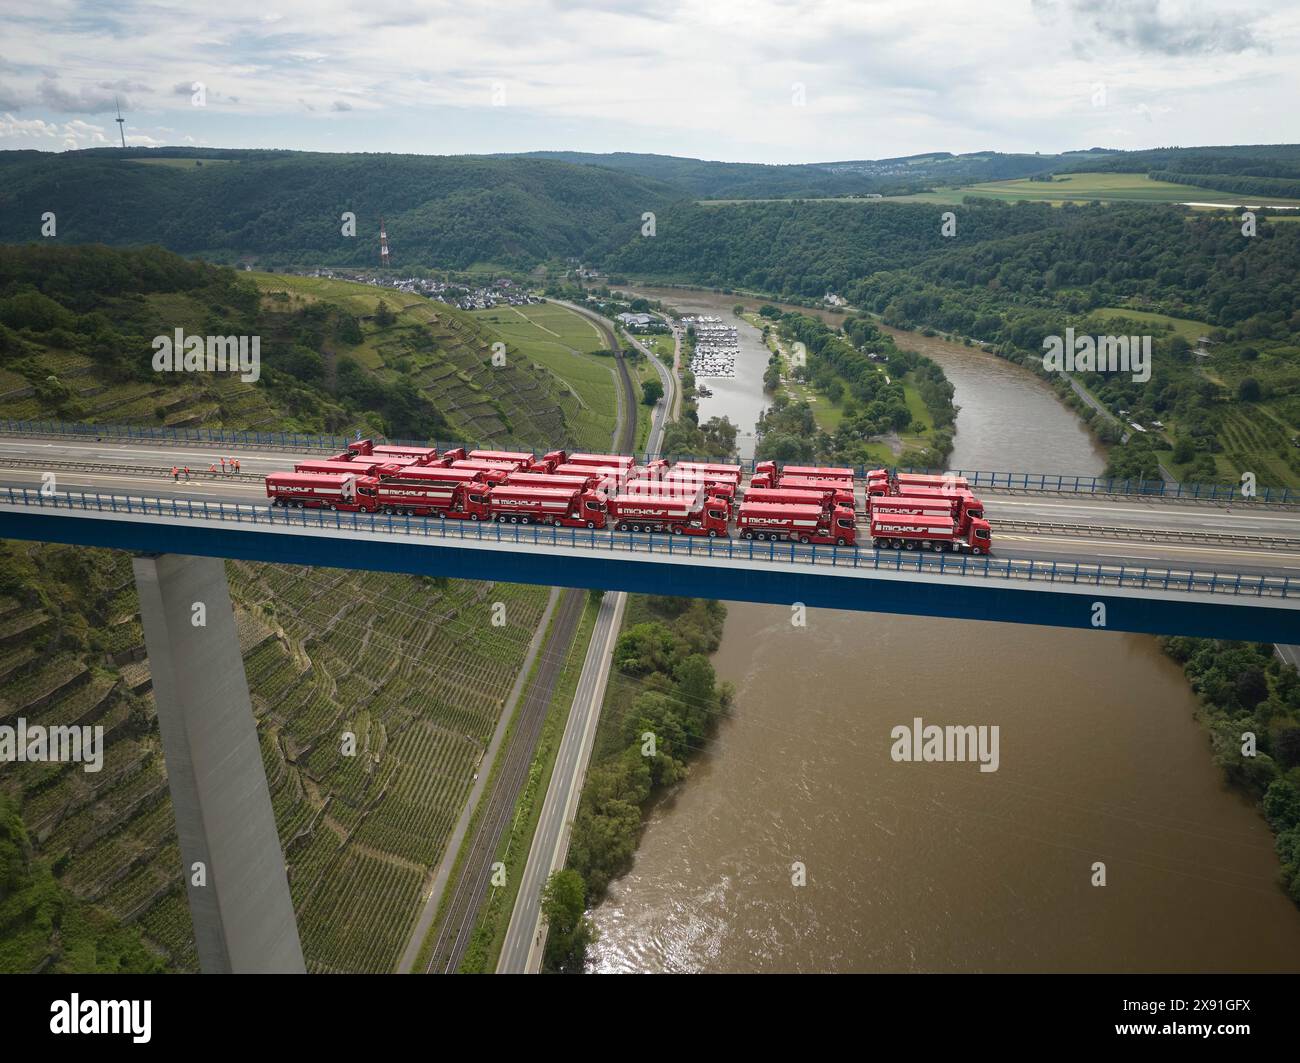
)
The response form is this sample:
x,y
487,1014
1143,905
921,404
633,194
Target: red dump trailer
x,y
903,481
714,485
722,473
679,514
783,496
425,491
606,477
963,506
355,467
551,479
841,491
797,523
493,472
524,459
616,461
901,531
419,455
569,508
329,490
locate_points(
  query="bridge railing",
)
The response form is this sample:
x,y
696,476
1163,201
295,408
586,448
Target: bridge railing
x,y
743,551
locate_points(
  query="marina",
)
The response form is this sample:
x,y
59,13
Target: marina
x,y
716,347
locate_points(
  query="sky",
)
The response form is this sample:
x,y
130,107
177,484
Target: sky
x,y
776,81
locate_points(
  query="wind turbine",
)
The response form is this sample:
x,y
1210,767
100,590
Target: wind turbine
x,y
121,122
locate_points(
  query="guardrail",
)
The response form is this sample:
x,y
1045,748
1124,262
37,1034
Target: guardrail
x,y
1146,534
1046,483
134,470
746,551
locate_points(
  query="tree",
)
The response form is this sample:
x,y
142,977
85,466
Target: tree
x,y
384,315
1249,390
651,392
569,931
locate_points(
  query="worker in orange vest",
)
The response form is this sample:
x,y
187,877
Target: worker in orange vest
x,y
213,468
223,465
187,472
236,465
176,474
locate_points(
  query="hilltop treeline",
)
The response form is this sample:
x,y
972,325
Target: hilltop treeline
x,y
287,207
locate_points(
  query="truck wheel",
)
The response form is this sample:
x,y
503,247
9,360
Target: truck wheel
x,y
590,523
910,544
976,550
514,520
713,533
804,539
677,531
473,516
841,541
621,526
747,535
298,505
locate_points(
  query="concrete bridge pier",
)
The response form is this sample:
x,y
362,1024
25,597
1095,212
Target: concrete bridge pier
x,y
231,855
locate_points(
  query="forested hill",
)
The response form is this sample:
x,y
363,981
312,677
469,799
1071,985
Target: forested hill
x,y
285,207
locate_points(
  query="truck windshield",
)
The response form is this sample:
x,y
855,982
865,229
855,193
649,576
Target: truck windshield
x,y
844,522
595,505
715,514
981,533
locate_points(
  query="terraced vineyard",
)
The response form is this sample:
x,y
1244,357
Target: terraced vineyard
x,y
415,669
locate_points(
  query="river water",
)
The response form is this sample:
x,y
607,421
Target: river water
x,y
940,867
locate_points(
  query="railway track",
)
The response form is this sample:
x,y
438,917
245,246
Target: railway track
x,y
457,926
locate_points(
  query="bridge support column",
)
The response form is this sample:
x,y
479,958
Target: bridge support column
x,y
231,855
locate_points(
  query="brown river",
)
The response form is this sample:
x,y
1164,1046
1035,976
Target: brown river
x,y
939,866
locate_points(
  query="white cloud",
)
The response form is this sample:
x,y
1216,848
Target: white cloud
x,y
702,77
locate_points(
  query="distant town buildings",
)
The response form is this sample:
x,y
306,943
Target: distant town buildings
x,y
502,292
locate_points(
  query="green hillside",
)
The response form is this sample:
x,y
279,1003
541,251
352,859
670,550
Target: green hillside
x,y
276,207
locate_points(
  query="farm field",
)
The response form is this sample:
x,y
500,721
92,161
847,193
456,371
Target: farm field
x,y
1082,187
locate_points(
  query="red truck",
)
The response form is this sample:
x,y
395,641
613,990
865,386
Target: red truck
x,y
525,459
423,491
903,531
567,508
962,507
797,523
721,473
607,477
330,490
365,448
679,514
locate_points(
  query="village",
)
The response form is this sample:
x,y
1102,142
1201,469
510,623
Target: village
x,y
502,292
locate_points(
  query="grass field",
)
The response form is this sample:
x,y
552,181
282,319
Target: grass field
x,y
562,342
1083,187
1187,328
